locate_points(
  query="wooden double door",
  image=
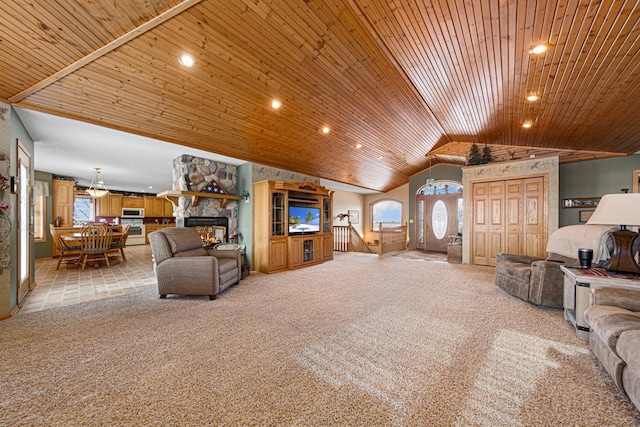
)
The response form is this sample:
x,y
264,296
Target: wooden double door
x,y
508,216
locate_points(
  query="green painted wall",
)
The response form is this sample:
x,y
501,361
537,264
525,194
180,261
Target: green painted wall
x,y
245,210
594,178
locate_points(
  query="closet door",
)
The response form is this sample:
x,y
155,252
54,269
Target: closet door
x,y
508,216
489,223
481,224
514,211
535,214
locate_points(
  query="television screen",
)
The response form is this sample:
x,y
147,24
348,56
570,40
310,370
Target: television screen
x,y
304,220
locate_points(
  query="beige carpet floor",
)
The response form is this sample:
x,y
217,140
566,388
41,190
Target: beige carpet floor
x,y
359,341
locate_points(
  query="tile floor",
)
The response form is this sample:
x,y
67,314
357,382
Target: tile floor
x,y
67,286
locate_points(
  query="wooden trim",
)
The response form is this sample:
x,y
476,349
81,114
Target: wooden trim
x,y
636,177
174,195
125,38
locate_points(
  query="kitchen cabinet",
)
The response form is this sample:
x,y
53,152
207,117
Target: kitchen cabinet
x,y
133,202
168,209
150,228
153,206
62,201
109,205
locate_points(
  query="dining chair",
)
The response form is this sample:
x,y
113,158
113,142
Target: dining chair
x,y
118,243
69,254
95,244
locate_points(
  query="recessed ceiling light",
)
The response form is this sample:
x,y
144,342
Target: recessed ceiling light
x,y
151,186
537,50
187,60
358,145
532,98
276,104
527,125
326,129
380,157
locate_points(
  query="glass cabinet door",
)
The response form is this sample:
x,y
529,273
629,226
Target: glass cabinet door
x,y
326,215
278,214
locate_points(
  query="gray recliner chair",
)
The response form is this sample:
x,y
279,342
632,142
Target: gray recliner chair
x,y
183,266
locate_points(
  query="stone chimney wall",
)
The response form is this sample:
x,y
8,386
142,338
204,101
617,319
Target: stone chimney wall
x,y
193,174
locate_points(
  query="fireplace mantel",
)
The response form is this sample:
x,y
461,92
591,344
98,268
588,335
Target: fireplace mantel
x,y
174,195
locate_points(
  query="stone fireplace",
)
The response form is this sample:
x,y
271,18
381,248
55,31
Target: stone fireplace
x,y
195,174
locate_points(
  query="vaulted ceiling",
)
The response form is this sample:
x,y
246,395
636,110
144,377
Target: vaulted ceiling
x,y
405,79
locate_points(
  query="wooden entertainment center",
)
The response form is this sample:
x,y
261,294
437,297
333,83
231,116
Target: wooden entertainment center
x,y
284,243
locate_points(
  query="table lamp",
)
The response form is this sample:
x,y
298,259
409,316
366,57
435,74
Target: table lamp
x,y
622,210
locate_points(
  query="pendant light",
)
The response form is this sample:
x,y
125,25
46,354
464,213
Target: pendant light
x,y
430,181
97,189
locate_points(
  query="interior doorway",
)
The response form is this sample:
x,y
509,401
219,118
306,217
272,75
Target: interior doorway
x,y
25,222
439,211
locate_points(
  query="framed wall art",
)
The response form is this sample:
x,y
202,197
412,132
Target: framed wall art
x,y
354,217
583,202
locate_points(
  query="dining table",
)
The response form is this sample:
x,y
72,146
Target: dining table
x,y
76,236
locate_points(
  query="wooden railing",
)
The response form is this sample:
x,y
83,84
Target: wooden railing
x,y
392,239
347,239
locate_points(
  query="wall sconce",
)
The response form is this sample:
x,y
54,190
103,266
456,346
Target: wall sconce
x,y
245,196
14,184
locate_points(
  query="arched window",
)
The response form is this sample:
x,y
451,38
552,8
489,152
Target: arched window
x,y
439,187
387,212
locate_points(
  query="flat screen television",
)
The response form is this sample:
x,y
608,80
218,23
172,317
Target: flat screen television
x,y
304,220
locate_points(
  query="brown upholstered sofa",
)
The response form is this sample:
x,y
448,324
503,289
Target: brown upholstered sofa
x,y
614,321
184,266
530,278
540,280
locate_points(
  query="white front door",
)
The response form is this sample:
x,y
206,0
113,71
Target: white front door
x,y
25,222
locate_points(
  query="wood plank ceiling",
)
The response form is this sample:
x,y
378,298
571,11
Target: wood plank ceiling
x,y
406,79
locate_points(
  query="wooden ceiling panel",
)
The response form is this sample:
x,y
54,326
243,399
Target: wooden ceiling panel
x,y
41,37
404,79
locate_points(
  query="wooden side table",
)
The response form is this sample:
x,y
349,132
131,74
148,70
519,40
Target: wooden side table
x,y
577,288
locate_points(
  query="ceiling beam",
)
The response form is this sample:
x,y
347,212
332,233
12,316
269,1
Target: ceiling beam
x,y
125,38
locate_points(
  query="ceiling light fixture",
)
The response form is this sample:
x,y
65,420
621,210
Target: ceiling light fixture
x,y
187,60
430,182
380,157
527,125
276,104
358,145
97,189
326,129
532,98
538,49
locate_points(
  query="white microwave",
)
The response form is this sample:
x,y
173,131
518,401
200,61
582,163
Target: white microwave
x,y
132,213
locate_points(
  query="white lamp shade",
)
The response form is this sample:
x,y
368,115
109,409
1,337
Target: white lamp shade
x,y
97,188
617,209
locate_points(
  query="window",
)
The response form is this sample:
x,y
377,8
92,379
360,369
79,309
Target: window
x,y
386,212
40,194
39,218
82,210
